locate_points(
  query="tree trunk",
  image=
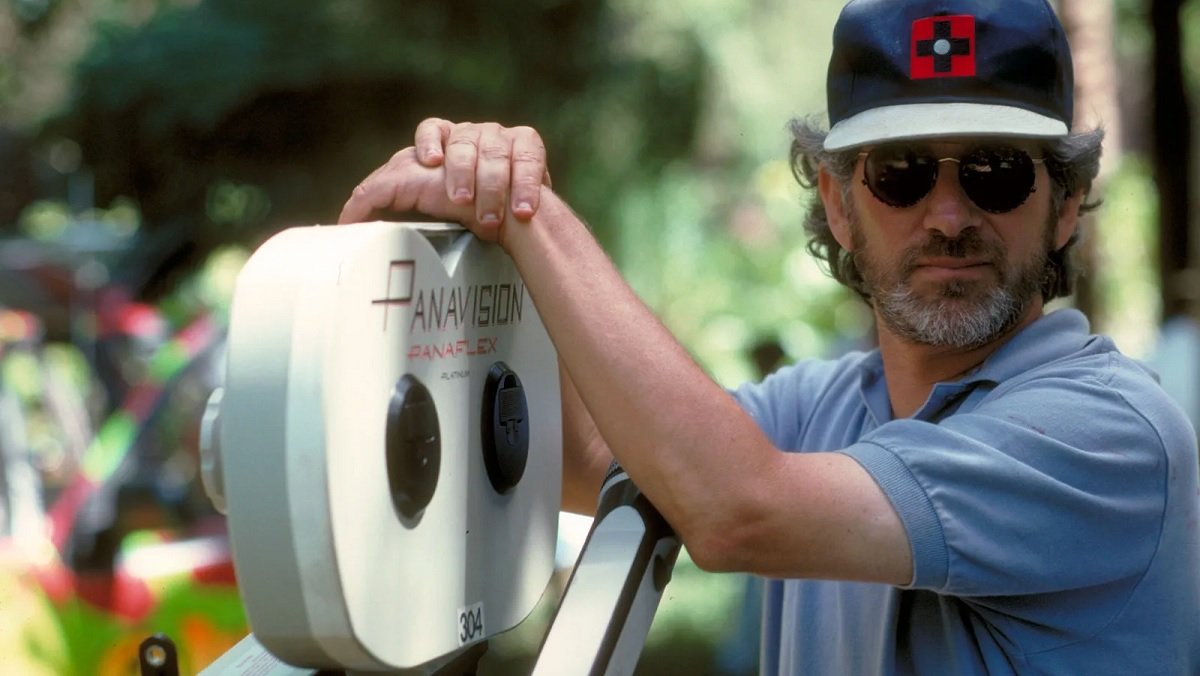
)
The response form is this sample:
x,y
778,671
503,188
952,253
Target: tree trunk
x,y
1089,26
1172,142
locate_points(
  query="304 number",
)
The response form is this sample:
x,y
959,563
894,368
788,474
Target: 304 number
x,y
470,623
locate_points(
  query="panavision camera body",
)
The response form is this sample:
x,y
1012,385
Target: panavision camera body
x,y
387,444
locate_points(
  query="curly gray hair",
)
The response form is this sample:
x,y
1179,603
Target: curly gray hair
x,y
1072,162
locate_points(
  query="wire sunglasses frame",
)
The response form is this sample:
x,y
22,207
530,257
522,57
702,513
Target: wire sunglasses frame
x,y
996,178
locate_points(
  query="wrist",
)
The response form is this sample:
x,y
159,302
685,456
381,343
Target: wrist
x,y
550,210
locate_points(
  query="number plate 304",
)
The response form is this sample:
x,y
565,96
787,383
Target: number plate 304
x,y
470,624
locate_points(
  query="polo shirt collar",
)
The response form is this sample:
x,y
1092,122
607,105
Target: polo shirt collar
x,y
1052,336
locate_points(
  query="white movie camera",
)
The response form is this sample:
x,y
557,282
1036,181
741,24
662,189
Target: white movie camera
x,y
387,447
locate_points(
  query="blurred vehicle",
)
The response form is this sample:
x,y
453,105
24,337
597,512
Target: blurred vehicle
x,y
106,536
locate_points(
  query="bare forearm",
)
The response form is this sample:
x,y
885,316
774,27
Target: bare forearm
x,y
737,502
678,434
586,456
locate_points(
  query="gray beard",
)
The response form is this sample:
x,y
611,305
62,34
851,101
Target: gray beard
x,y
952,319
947,321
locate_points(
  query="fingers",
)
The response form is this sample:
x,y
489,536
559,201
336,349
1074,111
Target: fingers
x,y
369,196
404,185
499,168
430,140
493,170
462,154
401,185
487,172
479,169
528,171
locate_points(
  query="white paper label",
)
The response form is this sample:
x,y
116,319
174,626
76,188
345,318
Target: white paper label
x,y
470,624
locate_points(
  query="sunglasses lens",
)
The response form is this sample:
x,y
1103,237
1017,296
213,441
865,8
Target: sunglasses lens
x,y
898,176
997,180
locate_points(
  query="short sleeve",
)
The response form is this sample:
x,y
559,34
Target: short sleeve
x,y
789,400
1051,485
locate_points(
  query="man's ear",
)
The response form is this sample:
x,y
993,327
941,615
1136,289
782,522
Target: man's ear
x,y
1068,220
830,190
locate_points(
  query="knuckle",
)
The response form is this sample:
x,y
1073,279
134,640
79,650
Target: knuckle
x,y
462,141
526,156
494,151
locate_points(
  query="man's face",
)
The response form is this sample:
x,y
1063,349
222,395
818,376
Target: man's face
x,y
944,272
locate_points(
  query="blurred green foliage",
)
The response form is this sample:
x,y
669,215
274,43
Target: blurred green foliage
x,y
213,123
231,119
1125,271
226,120
1189,22
715,245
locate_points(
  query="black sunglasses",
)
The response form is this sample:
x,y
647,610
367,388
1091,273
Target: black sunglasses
x,y
997,179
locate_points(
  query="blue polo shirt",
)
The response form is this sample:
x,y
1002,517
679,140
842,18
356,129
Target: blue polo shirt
x,y
1050,498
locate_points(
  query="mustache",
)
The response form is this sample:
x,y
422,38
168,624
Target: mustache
x,y
967,245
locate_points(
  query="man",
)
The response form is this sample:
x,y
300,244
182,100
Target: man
x,y
992,490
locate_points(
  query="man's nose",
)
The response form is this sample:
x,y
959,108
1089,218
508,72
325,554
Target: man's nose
x,y
947,208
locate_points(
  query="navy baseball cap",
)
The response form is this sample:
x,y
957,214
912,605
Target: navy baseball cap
x,y
908,69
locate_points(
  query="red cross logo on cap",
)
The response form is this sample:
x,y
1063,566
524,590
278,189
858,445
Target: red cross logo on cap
x,y
943,46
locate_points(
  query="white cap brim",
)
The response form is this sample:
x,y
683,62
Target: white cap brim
x,y
940,120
